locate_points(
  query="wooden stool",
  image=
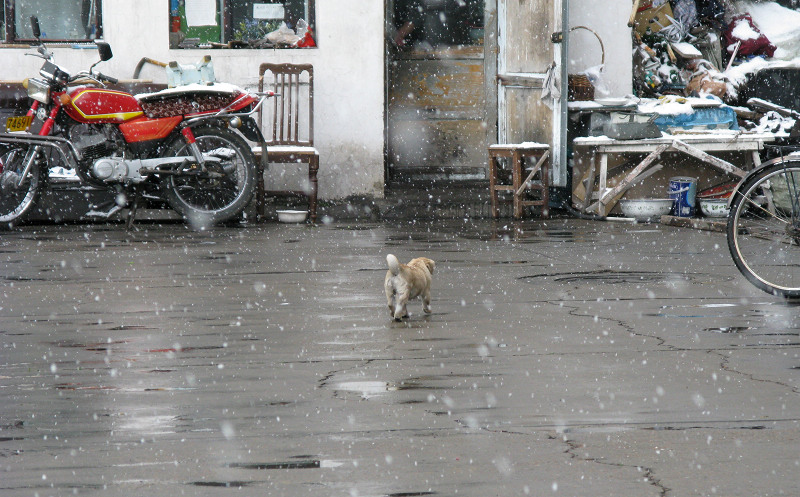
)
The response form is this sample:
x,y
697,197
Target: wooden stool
x,y
516,154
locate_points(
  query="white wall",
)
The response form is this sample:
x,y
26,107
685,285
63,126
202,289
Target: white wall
x,y
348,74
610,21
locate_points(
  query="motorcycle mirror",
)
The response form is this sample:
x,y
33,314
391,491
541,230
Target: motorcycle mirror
x,y
37,32
104,49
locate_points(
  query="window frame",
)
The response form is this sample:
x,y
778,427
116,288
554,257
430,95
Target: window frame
x,y
10,27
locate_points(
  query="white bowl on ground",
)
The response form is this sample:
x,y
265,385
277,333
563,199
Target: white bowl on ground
x,y
289,216
714,207
646,209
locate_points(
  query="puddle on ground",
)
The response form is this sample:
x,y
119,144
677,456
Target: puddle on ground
x,y
497,263
597,429
367,389
23,278
729,329
93,347
222,484
698,427
310,464
410,494
173,350
372,388
420,237
517,234
132,327
80,386
611,277
354,227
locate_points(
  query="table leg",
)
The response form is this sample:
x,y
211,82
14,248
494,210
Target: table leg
x,y
589,183
516,178
756,159
493,184
602,183
605,197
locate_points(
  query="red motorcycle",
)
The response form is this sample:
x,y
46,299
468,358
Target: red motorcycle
x,y
183,145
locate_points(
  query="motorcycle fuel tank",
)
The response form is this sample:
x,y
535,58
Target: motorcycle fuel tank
x,y
99,105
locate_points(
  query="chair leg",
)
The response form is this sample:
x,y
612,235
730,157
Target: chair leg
x,y
516,181
545,174
260,196
313,167
493,184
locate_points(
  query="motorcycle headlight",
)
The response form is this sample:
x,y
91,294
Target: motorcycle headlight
x,y
39,90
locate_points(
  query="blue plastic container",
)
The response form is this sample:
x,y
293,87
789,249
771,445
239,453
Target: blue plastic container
x,y
683,191
703,118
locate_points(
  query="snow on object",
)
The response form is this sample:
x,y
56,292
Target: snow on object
x,y
743,37
743,31
772,122
193,88
666,106
777,23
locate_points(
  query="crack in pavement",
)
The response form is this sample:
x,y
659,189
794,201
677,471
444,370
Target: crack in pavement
x,y
649,473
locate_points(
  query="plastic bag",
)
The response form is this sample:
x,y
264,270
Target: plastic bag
x,y
283,36
598,80
307,41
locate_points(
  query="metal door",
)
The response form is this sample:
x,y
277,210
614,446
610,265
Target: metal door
x,y
526,52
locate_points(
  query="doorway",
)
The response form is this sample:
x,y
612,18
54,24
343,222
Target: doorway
x,y
440,107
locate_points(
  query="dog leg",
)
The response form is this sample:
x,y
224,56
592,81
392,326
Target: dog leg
x,y
390,297
426,303
400,310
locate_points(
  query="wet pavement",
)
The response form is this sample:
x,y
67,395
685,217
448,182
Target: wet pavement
x,y
565,357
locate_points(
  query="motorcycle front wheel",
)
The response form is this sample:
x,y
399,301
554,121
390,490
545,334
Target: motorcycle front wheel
x,y
224,189
763,229
19,190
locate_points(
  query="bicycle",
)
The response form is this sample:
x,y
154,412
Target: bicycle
x,y
763,228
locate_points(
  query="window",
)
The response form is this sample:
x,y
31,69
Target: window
x,y
241,23
431,24
59,20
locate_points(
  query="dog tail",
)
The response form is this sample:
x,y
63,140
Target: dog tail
x,y
394,264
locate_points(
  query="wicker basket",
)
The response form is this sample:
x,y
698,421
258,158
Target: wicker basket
x,y
579,88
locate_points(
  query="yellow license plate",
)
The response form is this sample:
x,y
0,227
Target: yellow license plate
x,y
18,123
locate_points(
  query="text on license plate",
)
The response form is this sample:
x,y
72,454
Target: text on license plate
x,y
18,123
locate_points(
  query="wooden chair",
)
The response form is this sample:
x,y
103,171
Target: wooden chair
x,y
515,155
287,122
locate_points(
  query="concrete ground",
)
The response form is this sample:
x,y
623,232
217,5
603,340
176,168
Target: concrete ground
x,y
563,357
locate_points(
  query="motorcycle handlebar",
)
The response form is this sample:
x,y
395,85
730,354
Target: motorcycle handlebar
x,y
109,79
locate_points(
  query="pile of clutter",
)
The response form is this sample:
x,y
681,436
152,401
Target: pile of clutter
x,y
699,48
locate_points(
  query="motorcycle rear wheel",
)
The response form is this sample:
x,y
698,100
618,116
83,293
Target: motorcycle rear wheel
x,y
205,199
17,199
763,229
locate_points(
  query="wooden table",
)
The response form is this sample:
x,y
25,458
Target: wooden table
x,y
701,146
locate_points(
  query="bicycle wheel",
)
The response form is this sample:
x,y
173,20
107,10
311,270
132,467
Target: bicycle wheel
x,y
17,193
764,229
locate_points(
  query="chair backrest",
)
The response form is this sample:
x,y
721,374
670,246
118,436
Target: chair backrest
x,y
288,118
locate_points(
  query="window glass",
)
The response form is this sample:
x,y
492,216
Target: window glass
x,y
67,20
240,23
428,24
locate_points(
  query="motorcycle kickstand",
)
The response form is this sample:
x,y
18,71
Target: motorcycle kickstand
x,y
132,210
